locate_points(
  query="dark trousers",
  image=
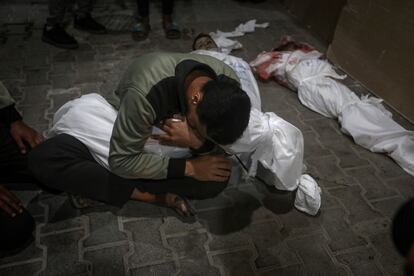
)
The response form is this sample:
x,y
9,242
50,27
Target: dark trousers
x,y
143,7
64,163
14,232
13,164
57,9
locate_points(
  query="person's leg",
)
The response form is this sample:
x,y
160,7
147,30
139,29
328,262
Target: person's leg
x,y
57,10
13,164
174,192
141,29
172,30
83,19
84,7
16,231
167,7
143,8
187,187
53,31
64,163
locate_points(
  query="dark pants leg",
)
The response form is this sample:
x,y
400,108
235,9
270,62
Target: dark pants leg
x,y
167,7
57,10
14,232
84,7
143,7
65,164
13,164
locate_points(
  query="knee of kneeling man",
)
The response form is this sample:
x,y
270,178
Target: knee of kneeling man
x,y
34,160
37,160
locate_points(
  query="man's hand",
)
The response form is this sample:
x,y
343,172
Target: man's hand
x,y
178,133
23,133
9,203
209,168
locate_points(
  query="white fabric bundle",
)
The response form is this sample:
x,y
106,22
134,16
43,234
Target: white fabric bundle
x,y
226,45
279,147
366,120
90,119
275,143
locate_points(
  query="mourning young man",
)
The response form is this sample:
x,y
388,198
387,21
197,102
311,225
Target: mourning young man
x,y
16,138
156,88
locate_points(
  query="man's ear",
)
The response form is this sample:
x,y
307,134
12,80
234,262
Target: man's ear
x,y
196,97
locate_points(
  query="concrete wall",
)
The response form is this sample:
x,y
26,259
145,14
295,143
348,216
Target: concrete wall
x,y
320,16
374,43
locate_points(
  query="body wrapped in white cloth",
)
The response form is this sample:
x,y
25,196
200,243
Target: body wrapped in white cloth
x,y
90,119
365,119
275,143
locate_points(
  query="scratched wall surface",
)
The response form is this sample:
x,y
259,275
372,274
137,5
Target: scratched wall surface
x,y
373,42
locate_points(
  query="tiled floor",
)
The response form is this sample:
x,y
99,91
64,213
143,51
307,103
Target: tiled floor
x,y
247,230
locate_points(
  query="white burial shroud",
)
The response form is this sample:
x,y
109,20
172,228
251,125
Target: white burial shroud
x,y
365,119
274,142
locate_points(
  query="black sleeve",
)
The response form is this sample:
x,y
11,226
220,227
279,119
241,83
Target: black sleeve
x,y
176,168
9,115
205,148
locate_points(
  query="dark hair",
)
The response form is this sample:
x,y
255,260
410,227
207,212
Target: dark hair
x,y
224,110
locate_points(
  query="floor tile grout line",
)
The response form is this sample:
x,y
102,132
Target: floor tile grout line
x,y
58,232
12,264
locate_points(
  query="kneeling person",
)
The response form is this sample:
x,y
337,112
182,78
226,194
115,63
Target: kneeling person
x,y
156,90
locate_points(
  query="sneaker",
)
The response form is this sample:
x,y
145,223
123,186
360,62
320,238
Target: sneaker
x,y
57,36
140,31
88,24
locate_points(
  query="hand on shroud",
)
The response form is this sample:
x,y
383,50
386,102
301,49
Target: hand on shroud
x,y
209,168
179,134
22,133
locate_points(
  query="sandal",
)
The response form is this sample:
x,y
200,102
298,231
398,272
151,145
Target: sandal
x,y
204,42
180,205
140,31
172,31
